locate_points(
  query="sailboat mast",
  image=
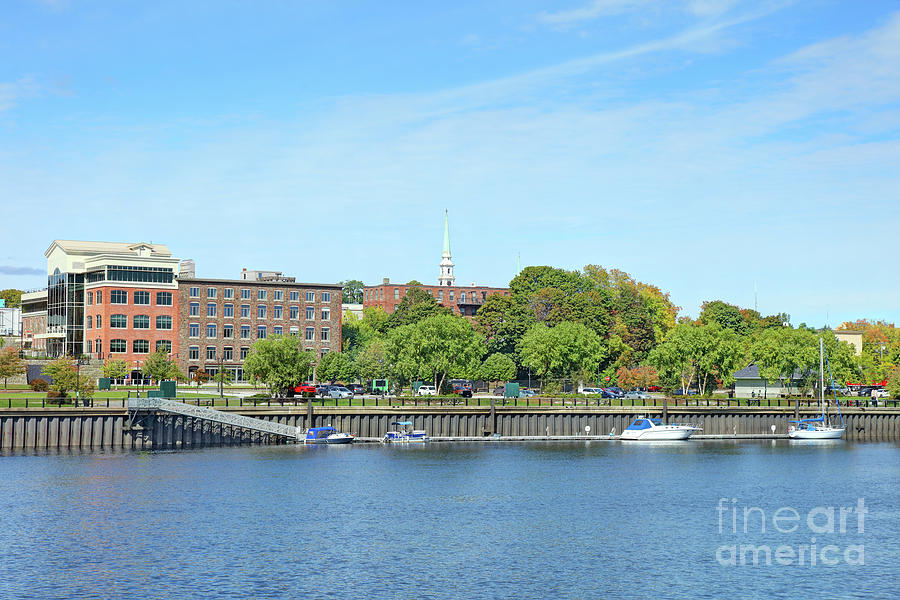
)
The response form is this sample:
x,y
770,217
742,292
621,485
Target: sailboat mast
x,y
822,378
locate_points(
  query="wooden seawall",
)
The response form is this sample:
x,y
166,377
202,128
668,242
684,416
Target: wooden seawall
x,y
112,428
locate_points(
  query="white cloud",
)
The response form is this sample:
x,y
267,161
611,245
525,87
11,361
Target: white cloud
x,y
608,8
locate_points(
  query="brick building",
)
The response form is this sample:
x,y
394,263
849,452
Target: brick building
x,y
219,319
34,323
464,300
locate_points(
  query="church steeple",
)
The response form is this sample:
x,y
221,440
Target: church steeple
x,y
446,278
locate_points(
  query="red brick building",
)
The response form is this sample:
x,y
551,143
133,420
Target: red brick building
x,y
463,300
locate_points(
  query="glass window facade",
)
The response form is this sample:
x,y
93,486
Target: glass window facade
x,y
163,298
164,346
141,321
163,322
142,297
140,346
143,274
118,346
118,321
118,297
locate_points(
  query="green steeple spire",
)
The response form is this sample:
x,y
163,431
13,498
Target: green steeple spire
x,y
446,232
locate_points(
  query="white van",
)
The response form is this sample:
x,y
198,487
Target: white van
x,y
426,390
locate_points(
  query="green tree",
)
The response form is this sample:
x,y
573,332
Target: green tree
x,y
371,362
223,376
66,377
676,358
416,305
437,347
115,369
414,282
279,363
12,296
502,321
781,354
158,367
335,366
569,349
893,383
726,316
352,291
498,367
10,364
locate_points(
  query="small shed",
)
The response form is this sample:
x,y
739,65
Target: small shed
x,y
749,384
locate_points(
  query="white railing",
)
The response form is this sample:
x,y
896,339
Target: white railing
x,y
218,416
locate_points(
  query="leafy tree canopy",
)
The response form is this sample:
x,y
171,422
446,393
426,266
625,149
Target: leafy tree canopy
x,y
416,305
12,296
279,363
351,291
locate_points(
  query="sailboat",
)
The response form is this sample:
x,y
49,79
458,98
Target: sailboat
x,y
819,428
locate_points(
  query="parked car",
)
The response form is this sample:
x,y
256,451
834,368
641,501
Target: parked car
x,y
864,391
464,391
358,389
654,388
322,390
339,392
305,389
609,395
617,390
592,392
500,391
526,393
613,393
681,392
636,395
880,394
426,390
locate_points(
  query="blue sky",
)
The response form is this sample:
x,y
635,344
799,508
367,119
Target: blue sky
x,y
705,146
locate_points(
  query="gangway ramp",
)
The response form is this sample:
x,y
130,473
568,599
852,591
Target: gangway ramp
x,y
217,416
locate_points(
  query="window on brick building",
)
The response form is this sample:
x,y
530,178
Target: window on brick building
x,y
260,332
164,346
310,313
294,330
99,321
118,346
228,331
310,296
89,319
118,297
295,312
245,294
163,322
245,311
141,321
277,330
194,309
194,353
140,346
277,312
245,332
228,293
245,351
228,311
164,298
261,310
194,292
326,334
142,297
310,334
90,298
326,296
262,294
211,292
194,330
210,330
295,296
227,353
211,309
99,297
118,321
210,353
396,293
326,314
278,295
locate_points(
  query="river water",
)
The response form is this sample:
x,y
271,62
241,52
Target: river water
x,y
455,520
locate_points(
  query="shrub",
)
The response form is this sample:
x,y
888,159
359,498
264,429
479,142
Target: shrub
x,y
58,398
39,385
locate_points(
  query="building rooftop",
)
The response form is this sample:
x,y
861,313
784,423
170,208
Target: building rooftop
x,y
84,247
258,282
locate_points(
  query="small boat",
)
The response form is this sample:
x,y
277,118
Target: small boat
x,y
819,428
327,435
644,429
404,434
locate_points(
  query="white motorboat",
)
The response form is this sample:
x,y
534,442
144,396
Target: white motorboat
x,y
819,428
404,434
645,429
327,435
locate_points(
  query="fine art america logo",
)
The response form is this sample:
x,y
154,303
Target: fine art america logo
x,y
811,538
